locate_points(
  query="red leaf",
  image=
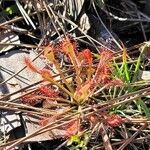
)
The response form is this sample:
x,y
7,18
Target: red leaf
x,y
103,73
85,56
106,55
113,120
47,91
116,82
67,46
72,128
82,92
30,65
30,99
104,67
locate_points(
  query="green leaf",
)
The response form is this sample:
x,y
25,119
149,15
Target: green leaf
x,y
137,66
144,107
118,71
69,142
9,10
125,66
73,139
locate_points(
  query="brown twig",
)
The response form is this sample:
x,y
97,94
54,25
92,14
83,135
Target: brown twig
x,y
132,137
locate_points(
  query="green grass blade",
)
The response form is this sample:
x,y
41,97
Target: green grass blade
x,y
125,66
144,108
118,71
137,66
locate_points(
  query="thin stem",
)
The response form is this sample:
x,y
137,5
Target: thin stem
x,y
74,61
62,76
60,86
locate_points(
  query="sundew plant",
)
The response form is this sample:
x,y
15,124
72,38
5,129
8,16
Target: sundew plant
x,y
81,77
